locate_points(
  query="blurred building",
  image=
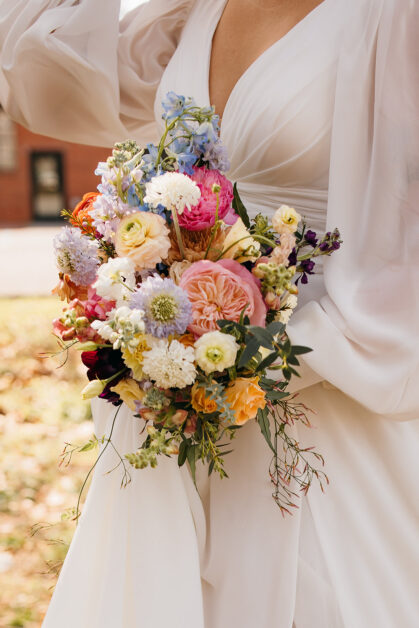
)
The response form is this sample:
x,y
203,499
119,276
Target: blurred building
x,y
39,176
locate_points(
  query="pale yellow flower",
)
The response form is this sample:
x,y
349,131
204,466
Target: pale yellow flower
x,y
129,391
134,359
285,219
143,237
177,269
215,351
243,247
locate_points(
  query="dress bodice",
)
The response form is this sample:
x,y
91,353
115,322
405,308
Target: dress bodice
x,y
277,121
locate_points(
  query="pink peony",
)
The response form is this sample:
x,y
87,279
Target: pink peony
x,y
202,215
220,290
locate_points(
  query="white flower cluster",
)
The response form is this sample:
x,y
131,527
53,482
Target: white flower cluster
x,y
122,328
116,280
170,364
172,190
284,314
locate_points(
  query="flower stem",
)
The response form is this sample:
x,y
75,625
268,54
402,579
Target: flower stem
x,y
178,233
215,227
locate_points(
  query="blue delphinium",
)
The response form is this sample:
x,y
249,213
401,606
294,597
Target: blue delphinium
x,y
167,309
173,106
76,255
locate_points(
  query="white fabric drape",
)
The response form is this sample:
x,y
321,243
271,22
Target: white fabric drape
x,y
370,316
326,119
69,71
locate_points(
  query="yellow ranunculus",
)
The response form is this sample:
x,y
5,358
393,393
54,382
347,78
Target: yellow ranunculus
x,y
245,397
129,391
243,246
285,220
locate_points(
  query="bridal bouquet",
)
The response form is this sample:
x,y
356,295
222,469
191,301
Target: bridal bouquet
x,y
179,301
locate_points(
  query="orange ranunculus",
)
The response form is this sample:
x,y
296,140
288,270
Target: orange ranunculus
x,y
201,403
245,397
187,339
81,217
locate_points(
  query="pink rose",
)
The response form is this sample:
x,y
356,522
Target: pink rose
x,y
202,215
220,290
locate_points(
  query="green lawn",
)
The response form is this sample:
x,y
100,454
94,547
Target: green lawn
x,y
40,410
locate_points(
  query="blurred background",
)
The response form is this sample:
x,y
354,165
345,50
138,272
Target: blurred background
x,y
40,404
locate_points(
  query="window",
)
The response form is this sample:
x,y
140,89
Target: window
x,y
8,153
47,185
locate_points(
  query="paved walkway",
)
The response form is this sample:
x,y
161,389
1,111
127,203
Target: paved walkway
x,y
27,266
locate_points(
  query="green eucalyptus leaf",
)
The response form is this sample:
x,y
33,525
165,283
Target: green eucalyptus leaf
x,y
262,418
183,450
249,352
266,362
239,208
299,350
191,456
275,328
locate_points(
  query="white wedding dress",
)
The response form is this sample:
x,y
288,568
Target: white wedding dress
x,y
325,120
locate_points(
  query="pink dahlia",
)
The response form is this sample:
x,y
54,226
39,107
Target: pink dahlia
x,y
220,290
202,215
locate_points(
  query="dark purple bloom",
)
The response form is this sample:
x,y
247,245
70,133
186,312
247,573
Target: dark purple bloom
x,y
102,364
311,237
292,257
307,266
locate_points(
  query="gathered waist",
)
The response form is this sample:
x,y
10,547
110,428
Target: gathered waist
x,y
311,203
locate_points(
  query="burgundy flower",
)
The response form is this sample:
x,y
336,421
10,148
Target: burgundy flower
x,y
102,364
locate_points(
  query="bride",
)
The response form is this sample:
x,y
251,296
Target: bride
x,y
319,111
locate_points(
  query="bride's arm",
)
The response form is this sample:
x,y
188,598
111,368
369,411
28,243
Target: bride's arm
x,y
71,70
365,333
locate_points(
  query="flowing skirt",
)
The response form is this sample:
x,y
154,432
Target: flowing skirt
x,y
158,554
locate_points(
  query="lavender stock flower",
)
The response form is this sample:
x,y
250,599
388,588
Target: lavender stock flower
x,y
76,255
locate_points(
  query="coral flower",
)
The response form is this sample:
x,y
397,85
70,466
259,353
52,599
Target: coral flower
x,y
143,237
245,398
202,215
221,290
81,213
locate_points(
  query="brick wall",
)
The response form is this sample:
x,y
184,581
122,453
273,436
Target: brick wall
x,y
79,163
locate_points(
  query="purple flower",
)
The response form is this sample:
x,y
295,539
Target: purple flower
x,y
311,237
307,268
76,255
167,309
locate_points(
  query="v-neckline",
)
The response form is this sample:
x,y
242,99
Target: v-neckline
x,y
216,19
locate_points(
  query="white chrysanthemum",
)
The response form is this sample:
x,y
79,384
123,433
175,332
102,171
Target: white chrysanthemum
x,y
285,219
170,365
123,327
116,280
284,315
172,190
215,351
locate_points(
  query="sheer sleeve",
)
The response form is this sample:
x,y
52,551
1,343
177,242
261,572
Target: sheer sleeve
x,y
365,332
71,70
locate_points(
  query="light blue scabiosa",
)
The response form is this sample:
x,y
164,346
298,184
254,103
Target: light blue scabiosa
x,y
167,309
76,255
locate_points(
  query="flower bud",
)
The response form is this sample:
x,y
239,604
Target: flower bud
x,y
87,346
93,389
